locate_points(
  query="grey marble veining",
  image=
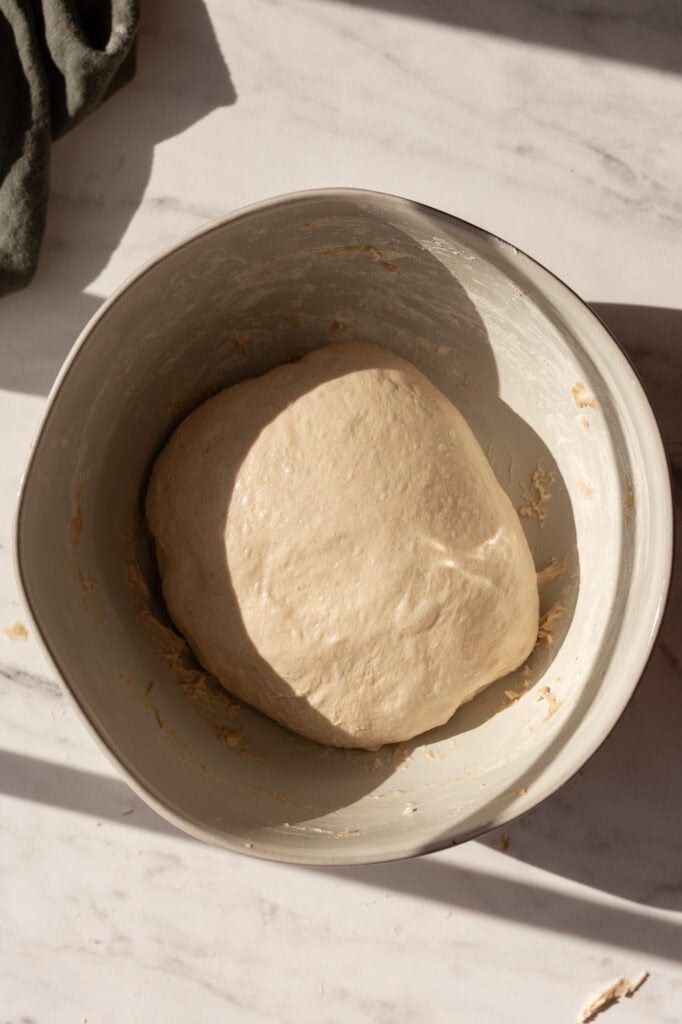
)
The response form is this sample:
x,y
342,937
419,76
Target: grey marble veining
x,y
553,125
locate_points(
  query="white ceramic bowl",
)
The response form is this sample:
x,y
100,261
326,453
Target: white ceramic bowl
x,y
544,387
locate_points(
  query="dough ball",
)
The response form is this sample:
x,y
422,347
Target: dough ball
x,y
337,551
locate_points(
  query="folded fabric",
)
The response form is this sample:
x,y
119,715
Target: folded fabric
x,y
59,59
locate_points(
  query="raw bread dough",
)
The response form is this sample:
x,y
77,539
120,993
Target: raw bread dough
x,y
337,551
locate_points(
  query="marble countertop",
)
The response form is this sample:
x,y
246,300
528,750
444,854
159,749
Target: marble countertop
x,y
557,131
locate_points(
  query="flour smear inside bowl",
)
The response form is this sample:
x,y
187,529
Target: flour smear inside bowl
x,y
336,549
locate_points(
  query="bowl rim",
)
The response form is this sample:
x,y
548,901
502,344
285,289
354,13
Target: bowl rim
x,y
660,543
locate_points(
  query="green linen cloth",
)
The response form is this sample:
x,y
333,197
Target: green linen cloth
x,y
59,59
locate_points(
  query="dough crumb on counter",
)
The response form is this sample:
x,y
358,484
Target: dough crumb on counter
x,y
16,631
611,995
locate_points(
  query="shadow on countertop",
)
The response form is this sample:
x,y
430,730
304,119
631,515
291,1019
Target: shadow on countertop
x,y
636,32
97,798
99,173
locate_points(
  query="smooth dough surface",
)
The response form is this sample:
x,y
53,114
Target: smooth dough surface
x,y
337,551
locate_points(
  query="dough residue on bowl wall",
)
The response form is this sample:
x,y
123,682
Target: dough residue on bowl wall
x,y
515,693
86,581
553,704
77,519
550,623
212,702
341,251
582,398
537,495
555,567
331,833
628,500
